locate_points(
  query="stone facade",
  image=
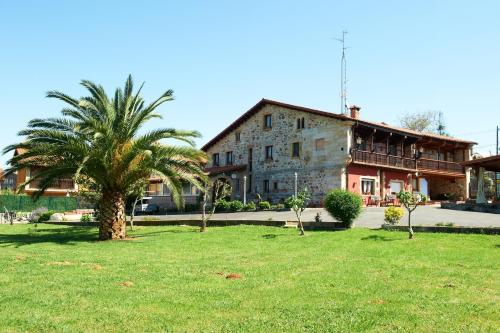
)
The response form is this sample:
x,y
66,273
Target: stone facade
x,y
323,148
329,151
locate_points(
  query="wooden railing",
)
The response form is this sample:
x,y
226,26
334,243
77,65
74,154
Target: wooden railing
x,y
59,184
383,159
399,162
426,164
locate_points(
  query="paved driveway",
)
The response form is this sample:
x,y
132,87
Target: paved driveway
x,y
372,217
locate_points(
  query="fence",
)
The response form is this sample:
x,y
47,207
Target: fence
x,y
20,203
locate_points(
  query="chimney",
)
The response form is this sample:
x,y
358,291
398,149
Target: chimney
x,y
354,111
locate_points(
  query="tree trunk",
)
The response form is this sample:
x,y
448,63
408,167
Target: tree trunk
x,y
112,217
203,226
301,226
410,230
132,214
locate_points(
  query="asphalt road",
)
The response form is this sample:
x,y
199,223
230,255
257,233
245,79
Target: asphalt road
x,y
372,217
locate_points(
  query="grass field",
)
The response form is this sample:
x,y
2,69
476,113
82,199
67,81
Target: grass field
x,y
56,278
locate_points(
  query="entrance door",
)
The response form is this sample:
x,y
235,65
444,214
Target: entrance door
x,y
423,186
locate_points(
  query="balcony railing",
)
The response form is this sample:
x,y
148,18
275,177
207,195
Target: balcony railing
x,y
399,162
59,184
426,164
383,160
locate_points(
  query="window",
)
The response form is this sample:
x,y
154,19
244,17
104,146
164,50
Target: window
x,y
269,152
319,144
266,186
250,159
367,186
393,150
300,123
295,149
275,186
237,186
229,158
215,159
249,185
396,186
237,136
268,121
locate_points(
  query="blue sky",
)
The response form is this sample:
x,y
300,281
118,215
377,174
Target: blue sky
x,y
221,57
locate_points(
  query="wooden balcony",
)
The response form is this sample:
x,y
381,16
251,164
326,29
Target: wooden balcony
x,y
59,184
383,160
403,163
439,167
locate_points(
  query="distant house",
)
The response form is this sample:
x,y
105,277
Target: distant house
x,y
7,182
261,151
162,197
63,186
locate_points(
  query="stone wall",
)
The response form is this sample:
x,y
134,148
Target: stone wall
x,y
324,145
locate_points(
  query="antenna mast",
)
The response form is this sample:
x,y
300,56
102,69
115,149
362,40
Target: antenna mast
x,y
343,76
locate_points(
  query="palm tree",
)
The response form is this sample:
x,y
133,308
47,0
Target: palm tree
x,y
97,140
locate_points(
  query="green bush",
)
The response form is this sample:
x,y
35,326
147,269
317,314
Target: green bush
x,y
343,206
250,206
264,205
191,207
280,206
289,202
222,205
86,218
393,215
45,216
236,206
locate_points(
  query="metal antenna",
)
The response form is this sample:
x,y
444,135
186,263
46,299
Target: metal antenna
x,y
343,76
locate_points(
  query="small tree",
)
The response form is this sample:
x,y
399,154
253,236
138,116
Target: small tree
x,y
411,201
136,193
298,204
219,189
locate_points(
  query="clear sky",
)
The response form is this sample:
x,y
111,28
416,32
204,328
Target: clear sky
x,y
221,57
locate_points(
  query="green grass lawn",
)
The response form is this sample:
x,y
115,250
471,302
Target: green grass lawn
x,y
56,278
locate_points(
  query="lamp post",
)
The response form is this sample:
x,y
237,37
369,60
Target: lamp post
x,y
295,188
244,190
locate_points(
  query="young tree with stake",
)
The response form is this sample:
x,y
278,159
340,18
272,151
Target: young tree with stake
x,y
411,201
220,189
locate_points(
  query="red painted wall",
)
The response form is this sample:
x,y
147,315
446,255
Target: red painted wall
x,y
354,175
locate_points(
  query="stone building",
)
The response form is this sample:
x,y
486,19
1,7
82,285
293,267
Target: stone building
x,y
261,151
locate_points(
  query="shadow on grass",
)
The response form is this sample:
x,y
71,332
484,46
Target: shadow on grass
x,y
270,236
67,236
378,238
141,233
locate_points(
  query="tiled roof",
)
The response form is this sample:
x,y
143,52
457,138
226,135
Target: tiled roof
x,y
264,102
226,168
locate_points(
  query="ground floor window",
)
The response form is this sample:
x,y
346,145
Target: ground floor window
x,y
367,186
266,186
396,187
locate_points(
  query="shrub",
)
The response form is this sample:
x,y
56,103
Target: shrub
x,y
236,206
264,205
44,217
289,202
35,215
393,215
280,206
86,218
250,206
222,205
343,206
191,207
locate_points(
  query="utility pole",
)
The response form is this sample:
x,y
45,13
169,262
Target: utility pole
x,y
343,76
497,191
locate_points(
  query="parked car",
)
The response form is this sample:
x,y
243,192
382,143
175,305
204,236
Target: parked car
x,y
145,207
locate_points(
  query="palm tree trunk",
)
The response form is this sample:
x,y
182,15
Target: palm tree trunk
x,y
112,216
